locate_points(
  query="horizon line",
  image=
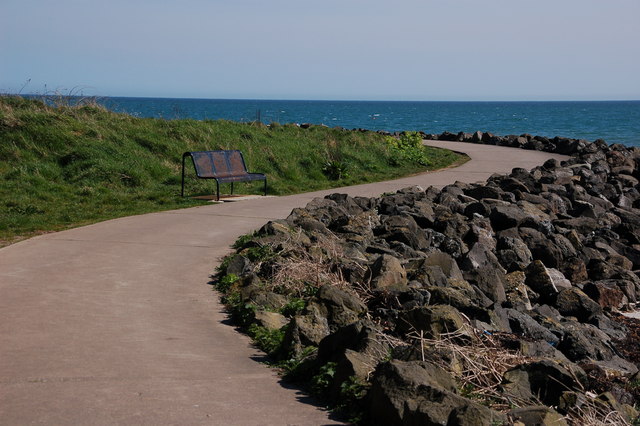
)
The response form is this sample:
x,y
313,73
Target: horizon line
x,y
320,99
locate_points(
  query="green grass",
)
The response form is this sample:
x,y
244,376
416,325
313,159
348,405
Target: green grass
x,y
66,166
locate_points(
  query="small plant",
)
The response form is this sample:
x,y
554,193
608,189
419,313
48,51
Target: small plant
x,y
258,253
336,170
352,392
294,306
225,283
243,240
266,339
320,382
292,367
408,148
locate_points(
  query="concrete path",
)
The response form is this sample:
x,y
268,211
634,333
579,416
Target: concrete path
x,y
115,323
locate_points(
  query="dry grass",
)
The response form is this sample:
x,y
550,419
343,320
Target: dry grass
x,y
299,272
480,366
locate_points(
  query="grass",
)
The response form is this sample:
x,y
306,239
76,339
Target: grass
x,y
67,166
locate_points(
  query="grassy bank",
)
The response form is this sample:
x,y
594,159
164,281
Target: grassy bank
x,y
67,166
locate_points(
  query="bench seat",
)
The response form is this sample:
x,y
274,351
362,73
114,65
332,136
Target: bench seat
x,y
224,166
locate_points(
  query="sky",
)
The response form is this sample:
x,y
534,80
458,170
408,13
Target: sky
x,y
348,49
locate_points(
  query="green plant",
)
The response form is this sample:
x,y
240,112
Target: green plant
x,y
336,170
352,392
268,340
242,312
293,306
320,382
408,148
258,253
224,284
293,367
243,240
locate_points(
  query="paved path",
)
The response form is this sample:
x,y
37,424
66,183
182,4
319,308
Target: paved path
x,y
114,323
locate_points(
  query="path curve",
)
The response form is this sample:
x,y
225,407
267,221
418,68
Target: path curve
x,y
114,323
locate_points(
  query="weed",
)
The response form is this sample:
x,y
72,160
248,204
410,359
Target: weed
x,y
320,382
243,240
259,253
408,148
225,283
294,306
266,339
336,170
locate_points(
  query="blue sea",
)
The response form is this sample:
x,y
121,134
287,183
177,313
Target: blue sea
x,y
613,121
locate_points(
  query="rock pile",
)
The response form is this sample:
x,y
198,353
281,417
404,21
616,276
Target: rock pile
x,y
487,303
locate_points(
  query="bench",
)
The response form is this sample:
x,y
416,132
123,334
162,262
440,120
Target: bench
x,y
222,166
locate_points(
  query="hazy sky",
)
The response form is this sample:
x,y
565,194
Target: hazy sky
x,y
330,49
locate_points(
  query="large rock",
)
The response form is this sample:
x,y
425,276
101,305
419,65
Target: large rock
x,y
547,282
574,302
306,329
420,393
545,380
432,320
397,382
339,307
387,273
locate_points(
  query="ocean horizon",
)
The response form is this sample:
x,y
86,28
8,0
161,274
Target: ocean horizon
x,y
613,121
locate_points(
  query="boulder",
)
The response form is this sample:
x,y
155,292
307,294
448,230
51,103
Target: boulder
x,y
387,273
340,307
397,382
545,380
432,320
547,282
270,320
574,302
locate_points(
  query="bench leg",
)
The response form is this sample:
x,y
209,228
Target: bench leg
x,y
231,188
217,190
182,191
265,187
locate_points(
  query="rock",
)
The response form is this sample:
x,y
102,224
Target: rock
x,y
342,308
543,416
361,336
522,324
513,253
584,341
547,282
606,293
446,263
387,273
397,382
574,302
516,293
545,380
541,247
403,229
449,409
479,256
238,265
503,217
307,329
490,281
270,320
432,320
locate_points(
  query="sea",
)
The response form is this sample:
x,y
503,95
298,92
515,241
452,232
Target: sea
x,y
613,121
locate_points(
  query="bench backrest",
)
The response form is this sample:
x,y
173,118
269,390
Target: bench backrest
x,y
210,164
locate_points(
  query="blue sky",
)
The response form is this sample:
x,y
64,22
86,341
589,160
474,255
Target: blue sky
x,y
347,49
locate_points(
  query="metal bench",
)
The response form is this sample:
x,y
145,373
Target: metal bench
x,y
222,166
